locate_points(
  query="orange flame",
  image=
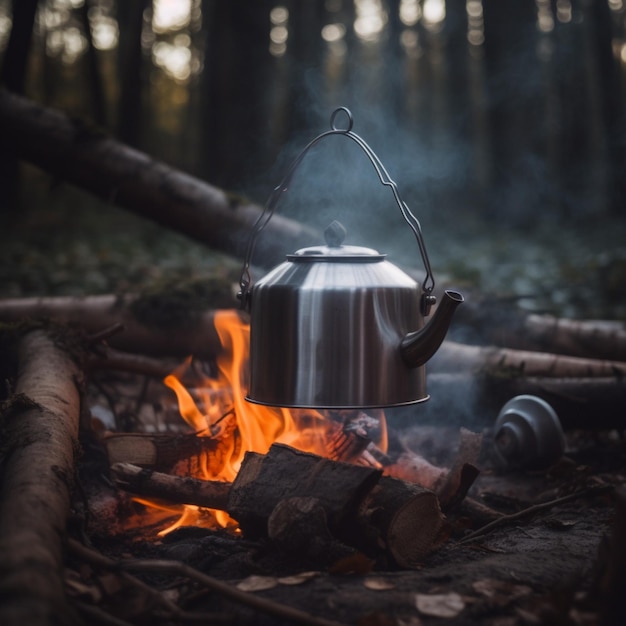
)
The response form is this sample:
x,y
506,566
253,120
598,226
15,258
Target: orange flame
x,y
223,412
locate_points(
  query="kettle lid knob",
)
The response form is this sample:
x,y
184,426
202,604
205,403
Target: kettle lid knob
x,y
334,234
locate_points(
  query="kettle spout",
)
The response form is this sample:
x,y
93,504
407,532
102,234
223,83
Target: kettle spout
x,y
417,347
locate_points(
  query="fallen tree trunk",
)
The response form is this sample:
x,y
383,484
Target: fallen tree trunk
x,y
39,441
503,324
197,336
74,152
457,357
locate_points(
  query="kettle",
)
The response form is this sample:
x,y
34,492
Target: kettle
x,y
337,326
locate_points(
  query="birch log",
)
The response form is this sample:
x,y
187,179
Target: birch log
x,y
39,443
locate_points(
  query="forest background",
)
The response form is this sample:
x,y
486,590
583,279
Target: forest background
x,y
503,124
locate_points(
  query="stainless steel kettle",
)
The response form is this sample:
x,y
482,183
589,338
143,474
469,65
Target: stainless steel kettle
x,y
338,326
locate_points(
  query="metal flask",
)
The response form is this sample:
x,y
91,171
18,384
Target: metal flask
x,y
338,326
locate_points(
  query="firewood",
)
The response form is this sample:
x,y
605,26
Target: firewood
x,y
39,438
403,517
211,494
284,472
87,157
356,505
457,357
161,452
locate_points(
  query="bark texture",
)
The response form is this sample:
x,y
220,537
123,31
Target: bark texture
x,y
39,444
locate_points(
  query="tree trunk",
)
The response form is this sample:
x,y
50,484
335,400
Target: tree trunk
x,y
85,157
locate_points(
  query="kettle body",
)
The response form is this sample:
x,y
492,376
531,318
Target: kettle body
x,y
327,334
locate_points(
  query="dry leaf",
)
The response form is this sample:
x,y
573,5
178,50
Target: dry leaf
x,y
499,591
378,584
439,604
297,579
257,583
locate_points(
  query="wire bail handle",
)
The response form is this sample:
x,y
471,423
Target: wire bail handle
x,y
428,299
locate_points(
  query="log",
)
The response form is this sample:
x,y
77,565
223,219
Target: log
x,y
508,326
289,491
457,357
211,494
196,336
164,453
73,151
39,439
403,518
284,472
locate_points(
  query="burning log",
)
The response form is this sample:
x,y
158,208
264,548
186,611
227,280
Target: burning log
x,y
355,504
85,156
264,480
310,504
159,452
211,494
39,439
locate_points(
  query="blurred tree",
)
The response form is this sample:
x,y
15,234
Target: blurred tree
x,y
130,18
12,76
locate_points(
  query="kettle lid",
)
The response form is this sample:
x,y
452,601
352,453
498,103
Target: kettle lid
x,y
334,250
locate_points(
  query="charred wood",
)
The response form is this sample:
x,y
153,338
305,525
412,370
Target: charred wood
x,y
403,517
211,494
284,472
385,517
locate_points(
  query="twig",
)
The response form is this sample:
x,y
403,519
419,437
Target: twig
x,y
103,335
256,602
535,508
96,558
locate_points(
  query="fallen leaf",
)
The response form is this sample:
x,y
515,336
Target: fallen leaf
x,y
297,579
439,604
257,583
378,584
500,592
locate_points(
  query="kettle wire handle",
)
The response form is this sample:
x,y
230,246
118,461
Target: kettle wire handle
x,y
268,210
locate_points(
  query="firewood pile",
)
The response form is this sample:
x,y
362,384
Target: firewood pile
x,y
107,515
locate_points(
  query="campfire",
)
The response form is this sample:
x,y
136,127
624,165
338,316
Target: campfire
x,y
229,438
